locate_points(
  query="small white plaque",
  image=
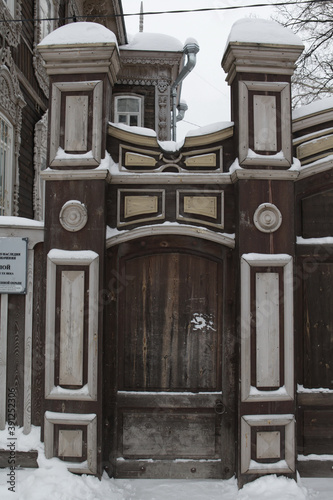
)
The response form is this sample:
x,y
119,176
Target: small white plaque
x,y
13,265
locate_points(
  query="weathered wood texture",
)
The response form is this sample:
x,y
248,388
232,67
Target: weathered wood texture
x,y
15,353
171,319
170,334
38,332
23,459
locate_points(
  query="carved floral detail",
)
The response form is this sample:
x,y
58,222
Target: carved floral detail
x,y
38,64
12,31
40,153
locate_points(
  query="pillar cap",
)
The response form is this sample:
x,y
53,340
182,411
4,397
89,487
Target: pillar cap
x,y
81,48
260,46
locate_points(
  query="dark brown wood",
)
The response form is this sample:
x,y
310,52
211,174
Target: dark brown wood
x,y
315,468
169,399
23,459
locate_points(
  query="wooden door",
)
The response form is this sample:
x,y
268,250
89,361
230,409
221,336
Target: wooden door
x,y
168,414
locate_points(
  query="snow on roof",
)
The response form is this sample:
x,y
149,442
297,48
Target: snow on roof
x,y
313,108
80,33
209,129
263,31
153,41
135,130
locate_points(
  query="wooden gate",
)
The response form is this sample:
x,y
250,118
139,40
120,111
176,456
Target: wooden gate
x,y
167,411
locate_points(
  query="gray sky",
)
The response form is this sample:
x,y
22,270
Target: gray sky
x,y
205,90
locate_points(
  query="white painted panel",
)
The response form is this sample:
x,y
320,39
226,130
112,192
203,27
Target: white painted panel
x,y
264,116
76,123
70,443
267,330
71,328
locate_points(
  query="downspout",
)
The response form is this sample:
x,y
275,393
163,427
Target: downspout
x,y
191,48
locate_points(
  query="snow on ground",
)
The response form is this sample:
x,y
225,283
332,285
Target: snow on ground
x,y
52,481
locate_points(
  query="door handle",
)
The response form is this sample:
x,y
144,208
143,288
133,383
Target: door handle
x,y
219,407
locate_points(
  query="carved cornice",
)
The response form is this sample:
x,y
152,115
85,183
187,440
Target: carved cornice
x,y
12,30
162,85
144,59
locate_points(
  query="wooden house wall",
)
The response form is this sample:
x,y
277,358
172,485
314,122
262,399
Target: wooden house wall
x,y
36,104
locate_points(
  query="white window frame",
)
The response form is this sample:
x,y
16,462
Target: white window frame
x,y
6,167
139,114
46,10
11,6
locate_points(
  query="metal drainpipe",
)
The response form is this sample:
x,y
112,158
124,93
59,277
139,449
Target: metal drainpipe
x,y
191,48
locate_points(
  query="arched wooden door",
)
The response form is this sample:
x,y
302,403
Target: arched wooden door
x,y
166,414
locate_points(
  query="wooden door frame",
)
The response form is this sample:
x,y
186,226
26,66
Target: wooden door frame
x,y
115,283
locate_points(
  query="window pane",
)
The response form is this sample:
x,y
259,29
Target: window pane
x,y
128,104
11,6
122,118
133,120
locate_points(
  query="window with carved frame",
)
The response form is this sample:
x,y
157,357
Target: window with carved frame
x,y
128,109
11,6
6,165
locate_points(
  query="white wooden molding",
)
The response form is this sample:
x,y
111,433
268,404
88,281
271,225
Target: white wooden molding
x,y
77,110
169,228
286,391
71,419
283,158
89,258
286,464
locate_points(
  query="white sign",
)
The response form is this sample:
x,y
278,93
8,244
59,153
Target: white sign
x,y
13,265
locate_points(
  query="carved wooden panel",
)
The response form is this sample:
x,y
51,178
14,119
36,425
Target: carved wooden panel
x,y
139,206
267,361
71,328
267,444
71,342
76,123
158,434
267,330
75,140
72,437
264,118
200,206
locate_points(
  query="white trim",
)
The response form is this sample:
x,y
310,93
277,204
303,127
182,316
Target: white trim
x,y
285,392
71,258
286,465
88,420
76,160
244,158
138,114
170,228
